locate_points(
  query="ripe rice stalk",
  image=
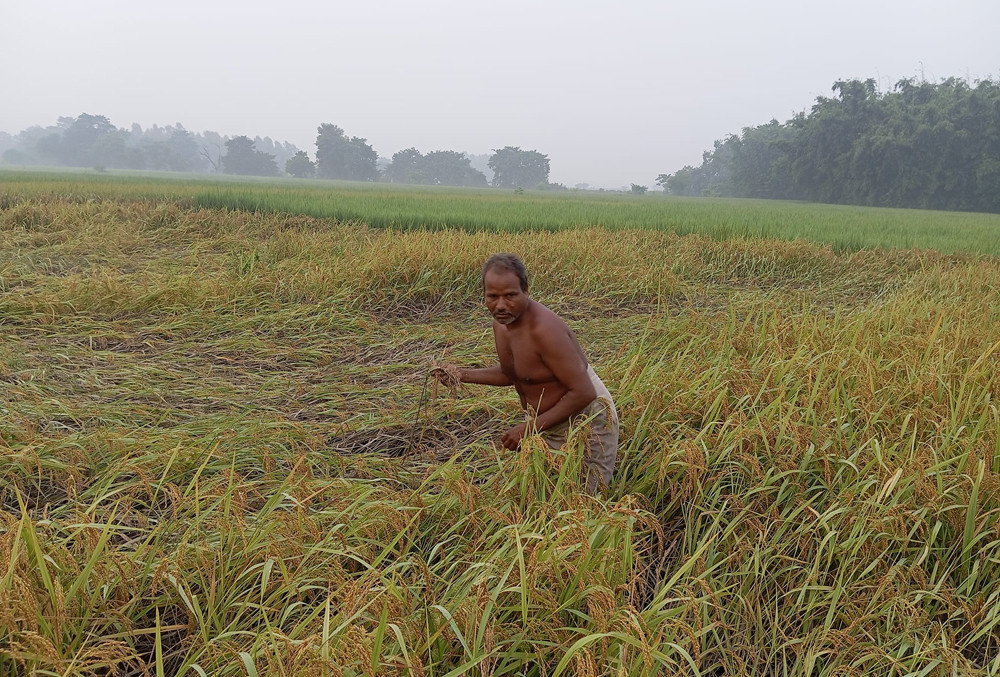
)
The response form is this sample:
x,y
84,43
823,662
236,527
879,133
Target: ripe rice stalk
x,y
204,420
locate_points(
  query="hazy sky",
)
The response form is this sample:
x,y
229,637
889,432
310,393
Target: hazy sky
x,y
613,93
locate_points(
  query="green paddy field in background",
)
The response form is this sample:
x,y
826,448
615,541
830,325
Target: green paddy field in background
x,y
420,207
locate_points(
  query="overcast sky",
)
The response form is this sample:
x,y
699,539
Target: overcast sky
x,y
613,93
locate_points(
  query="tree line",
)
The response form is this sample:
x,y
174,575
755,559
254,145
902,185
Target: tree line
x,y
921,145
93,141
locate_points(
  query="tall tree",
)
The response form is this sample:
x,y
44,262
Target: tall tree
x,y
300,166
405,167
242,158
516,168
339,157
81,137
79,142
183,150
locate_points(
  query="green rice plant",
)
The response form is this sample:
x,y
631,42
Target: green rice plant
x,y
845,229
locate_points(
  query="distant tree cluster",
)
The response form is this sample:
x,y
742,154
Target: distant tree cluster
x,y
921,145
340,157
92,141
437,168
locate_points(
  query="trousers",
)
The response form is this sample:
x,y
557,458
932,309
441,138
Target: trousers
x,y
601,451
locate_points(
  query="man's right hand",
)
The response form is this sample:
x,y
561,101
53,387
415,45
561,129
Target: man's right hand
x,y
512,438
448,375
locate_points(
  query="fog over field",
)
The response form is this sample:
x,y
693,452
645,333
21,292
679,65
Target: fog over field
x,y
613,94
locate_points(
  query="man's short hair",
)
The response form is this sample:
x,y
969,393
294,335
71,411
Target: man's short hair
x,y
511,263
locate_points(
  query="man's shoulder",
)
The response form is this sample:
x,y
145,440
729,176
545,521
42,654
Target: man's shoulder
x,y
546,320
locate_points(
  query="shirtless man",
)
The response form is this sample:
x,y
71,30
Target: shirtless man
x,y
540,356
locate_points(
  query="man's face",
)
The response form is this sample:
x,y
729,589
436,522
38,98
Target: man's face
x,y
504,296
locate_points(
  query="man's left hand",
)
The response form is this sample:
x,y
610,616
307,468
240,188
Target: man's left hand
x,y
512,438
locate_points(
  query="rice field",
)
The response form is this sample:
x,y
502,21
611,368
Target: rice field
x,y
221,454
434,208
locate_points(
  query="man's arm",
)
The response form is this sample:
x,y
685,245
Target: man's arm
x,y
487,376
490,376
562,355
451,375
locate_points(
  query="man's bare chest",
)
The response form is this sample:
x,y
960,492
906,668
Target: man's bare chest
x,y
521,361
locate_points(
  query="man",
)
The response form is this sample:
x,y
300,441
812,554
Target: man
x,y
540,356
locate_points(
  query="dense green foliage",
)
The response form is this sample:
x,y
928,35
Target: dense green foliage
x,y
341,157
516,168
300,166
242,158
437,168
922,145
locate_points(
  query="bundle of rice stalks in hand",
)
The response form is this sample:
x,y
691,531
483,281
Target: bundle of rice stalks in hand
x,y
448,375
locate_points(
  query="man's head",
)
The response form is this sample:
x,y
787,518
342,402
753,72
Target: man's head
x,y
511,263
505,287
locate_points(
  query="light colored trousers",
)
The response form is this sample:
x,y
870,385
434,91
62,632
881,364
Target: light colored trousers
x,y
602,442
